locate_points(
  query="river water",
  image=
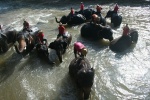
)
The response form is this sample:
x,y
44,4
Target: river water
x,y
118,76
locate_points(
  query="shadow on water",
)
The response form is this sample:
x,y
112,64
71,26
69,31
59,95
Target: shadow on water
x,y
68,89
8,67
129,50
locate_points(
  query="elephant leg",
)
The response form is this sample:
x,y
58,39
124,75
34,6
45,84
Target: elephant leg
x,y
59,54
4,46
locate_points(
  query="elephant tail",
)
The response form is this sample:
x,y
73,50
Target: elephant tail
x,y
3,46
57,20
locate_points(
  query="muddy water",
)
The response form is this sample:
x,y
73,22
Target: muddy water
x,y
118,76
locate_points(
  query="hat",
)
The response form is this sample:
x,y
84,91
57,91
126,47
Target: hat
x,y
94,16
84,51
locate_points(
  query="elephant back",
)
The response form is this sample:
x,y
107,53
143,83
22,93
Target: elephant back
x,y
120,44
85,77
90,31
116,20
134,36
80,69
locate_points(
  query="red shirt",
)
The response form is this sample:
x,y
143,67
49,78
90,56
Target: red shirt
x,y
116,8
61,29
78,46
41,36
126,30
72,11
98,8
82,6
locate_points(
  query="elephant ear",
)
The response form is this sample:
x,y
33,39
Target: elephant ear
x,y
52,45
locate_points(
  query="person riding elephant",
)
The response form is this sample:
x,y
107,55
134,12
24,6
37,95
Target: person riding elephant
x,y
26,40
83,74
62,30
98,20
123,42
72,19
80,49
116,19
26,26
61,44
82,8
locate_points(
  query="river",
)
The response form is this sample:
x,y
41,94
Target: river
x,y
118,76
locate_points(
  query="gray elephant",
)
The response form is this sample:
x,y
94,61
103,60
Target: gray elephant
x,y
60,45
96,31
83,74
26,40
7,39
115,18
123,42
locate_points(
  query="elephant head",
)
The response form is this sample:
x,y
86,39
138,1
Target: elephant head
x,y
60,45
64,20
26,43
7,39
105,32
81,71
109,14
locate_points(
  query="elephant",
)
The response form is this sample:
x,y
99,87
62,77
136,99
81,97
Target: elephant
x,y
76,19
61,44
96,31
7,39
123,42
42,50
81,71
26,40
115,18
87,13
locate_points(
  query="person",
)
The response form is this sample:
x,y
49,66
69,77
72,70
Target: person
x,y
40,36
61,29
25,25
116,8
81,6
95,18
98,9
79,49
126,30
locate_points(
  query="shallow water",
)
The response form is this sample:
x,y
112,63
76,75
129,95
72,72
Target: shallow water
x,y
119,76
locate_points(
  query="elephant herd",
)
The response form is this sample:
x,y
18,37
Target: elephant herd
x,y
79,69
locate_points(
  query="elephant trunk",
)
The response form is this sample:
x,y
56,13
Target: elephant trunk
x,y
22,45
57,20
